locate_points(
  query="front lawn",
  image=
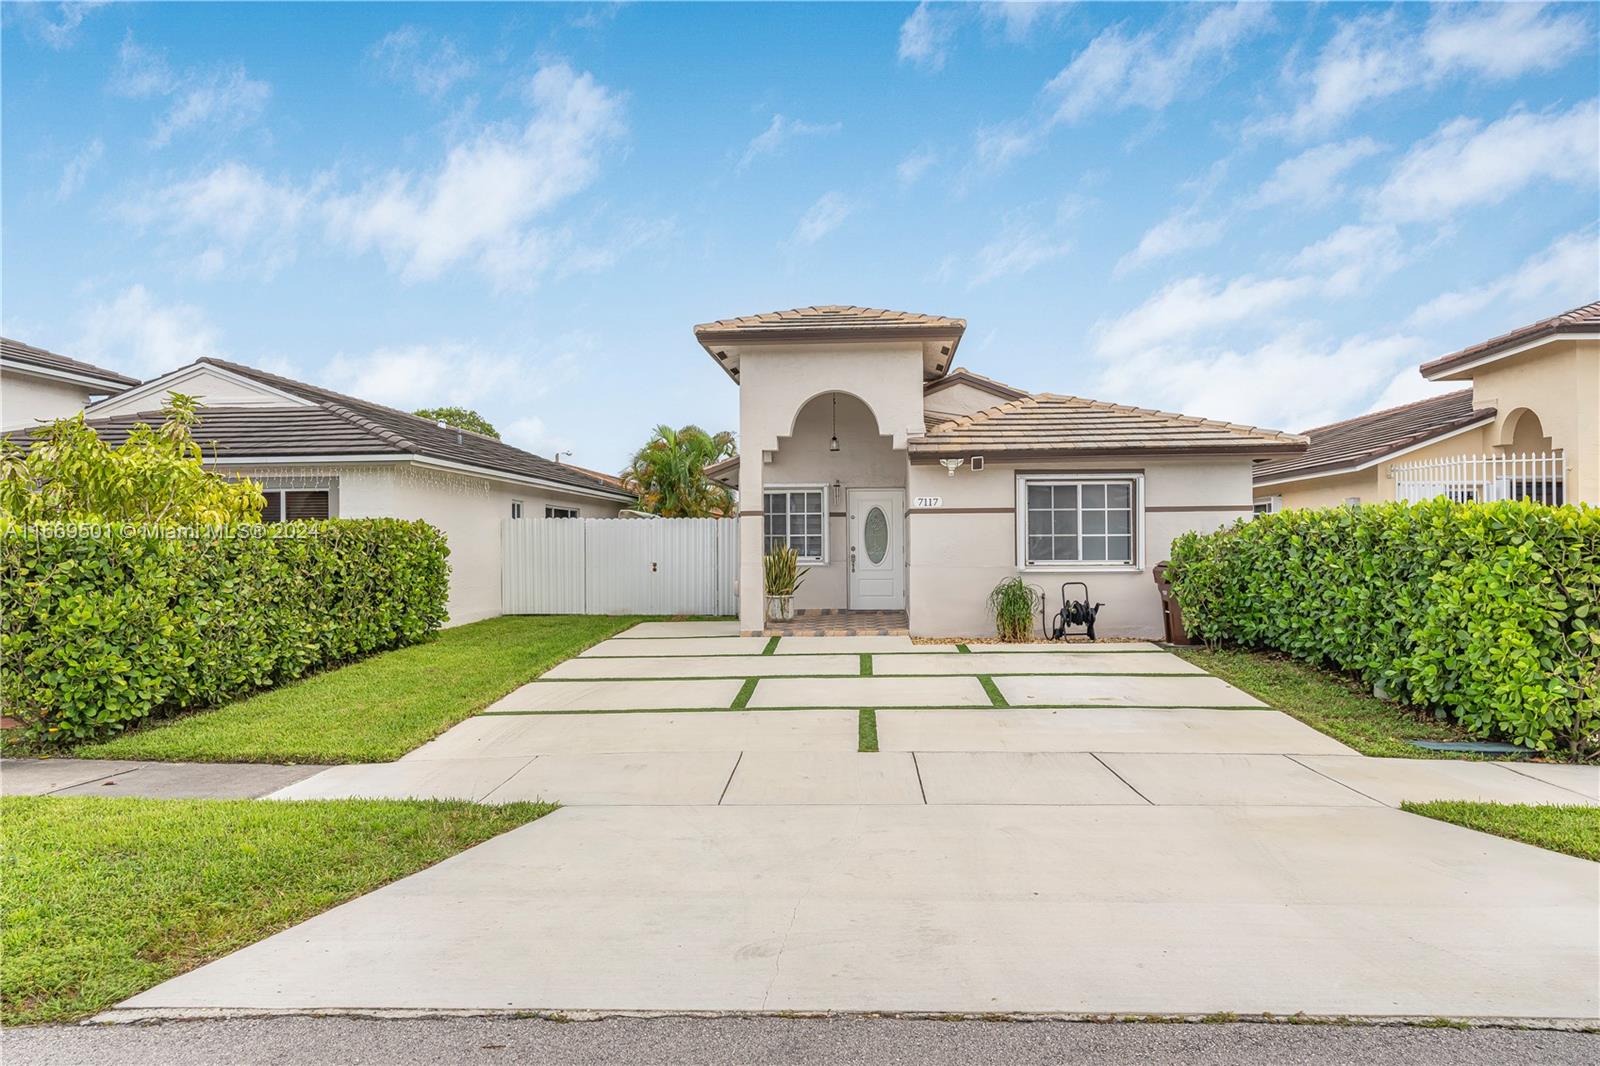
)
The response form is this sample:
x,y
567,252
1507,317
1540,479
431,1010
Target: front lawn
x,y
374,710
1573,830
102,898
1325,701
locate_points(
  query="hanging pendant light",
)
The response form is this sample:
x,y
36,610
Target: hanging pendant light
x,y
833,441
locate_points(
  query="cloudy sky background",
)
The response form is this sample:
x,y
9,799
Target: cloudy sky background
x,y
1269,214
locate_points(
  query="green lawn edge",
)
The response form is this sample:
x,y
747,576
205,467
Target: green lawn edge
x,y
867,731
105,897
376,709
1572,830
1326,702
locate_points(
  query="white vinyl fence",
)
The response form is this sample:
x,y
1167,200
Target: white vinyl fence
x,y
619,565
1540,478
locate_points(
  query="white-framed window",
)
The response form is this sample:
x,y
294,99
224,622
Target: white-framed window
x,y
1352,501
1267,505
289,505
516,508
561,512
797,515
1080,521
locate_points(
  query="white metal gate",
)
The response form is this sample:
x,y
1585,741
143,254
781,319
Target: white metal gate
x,y
619,565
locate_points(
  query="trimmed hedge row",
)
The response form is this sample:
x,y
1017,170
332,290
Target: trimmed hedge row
x,y
1488,612
101,626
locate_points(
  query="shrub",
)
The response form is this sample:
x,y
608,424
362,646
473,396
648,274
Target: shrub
x,y
1487,612
104,625
1014,604
781,571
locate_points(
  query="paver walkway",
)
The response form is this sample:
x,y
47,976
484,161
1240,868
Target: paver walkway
x,y
1133,839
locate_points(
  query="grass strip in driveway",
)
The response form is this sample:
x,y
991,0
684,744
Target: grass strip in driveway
x,y
771,648
1571,830
374,710
103,898
746,690
867,731
1326,702
993,690
866,664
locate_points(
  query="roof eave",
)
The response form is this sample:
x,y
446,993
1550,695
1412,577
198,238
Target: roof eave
x,y
1370,459
928,454
1457,365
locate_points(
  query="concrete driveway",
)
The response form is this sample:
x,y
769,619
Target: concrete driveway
x,y
1124,836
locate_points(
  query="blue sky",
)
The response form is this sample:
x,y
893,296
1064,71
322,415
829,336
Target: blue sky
x,y
1269,214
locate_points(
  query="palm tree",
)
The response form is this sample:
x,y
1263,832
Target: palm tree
x,y
669,473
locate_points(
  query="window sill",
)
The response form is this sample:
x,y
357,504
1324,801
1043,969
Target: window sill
x,y
1084,568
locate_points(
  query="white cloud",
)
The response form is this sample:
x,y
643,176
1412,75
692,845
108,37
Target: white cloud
x,y
1116,72
134,333
427,375
531,434
481,204
76,172
1466,164
779,132
822,218
1016,251
1352,257
1559,277
994,147
430,63
1193,307
220,99
1312,178
1017,20
1373,57
910,170
925,36
238,216
60,32
1181,231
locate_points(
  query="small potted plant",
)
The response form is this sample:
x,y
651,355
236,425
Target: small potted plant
x,y
783,577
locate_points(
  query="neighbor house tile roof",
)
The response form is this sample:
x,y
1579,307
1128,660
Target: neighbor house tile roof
x,y
340,425
1585,319
1356,442
1046,426
27,355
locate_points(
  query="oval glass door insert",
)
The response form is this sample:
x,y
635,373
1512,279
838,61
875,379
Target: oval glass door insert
x,y
876,535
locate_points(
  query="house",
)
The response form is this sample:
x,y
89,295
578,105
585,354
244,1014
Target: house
x,y
321,454
913,488
1526,426
40,386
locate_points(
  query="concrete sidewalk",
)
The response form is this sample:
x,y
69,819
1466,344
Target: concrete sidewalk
x,y
161,780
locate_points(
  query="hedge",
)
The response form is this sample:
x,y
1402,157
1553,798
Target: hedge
x,y
103,626
1489,613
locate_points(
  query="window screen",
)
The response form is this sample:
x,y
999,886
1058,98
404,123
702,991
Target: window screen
x,y
1079,522
795,517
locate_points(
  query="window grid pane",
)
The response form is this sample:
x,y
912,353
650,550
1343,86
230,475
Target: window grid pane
x,y
795,518
1090,522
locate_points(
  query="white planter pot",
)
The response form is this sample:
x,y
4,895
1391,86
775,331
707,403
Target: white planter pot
x,y
780,608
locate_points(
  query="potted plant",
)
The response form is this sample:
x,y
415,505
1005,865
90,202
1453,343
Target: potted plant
x,y
1015,604
783,577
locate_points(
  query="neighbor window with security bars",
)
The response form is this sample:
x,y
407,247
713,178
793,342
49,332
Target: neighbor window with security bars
x,y
795,517
1072,522
290,505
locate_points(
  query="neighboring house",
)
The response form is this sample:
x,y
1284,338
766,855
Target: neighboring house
x,y
906,486
321,454
1527,427
39,386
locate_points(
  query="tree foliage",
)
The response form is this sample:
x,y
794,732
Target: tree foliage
x,y
459,418
157,477
669,473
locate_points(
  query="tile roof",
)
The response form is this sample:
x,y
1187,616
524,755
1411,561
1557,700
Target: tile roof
x,y
960,375
1357,441
1585,319
17,352
827,318
1046,425
343,425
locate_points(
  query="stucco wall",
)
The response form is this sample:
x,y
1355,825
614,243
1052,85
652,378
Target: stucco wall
x,y
1373,485
1560,383
964,548
961,399
776,385
25,400
467,509
210,386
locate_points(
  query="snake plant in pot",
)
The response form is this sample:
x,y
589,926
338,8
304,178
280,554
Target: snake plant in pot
x,y
783,574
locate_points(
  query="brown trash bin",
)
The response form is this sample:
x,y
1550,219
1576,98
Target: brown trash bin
x,y
1171,612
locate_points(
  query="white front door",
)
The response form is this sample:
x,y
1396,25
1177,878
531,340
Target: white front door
x,y
877,552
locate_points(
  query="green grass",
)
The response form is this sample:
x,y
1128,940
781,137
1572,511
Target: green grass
x,y
771,648
746,690
1570,830
1326,702
374,710
867,731
866,665
103,898
993,690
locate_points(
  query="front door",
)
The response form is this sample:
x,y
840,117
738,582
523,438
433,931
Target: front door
x,y
877,561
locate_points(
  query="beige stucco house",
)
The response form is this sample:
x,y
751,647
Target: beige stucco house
x,y
1526,426
907,486
321,454
39,386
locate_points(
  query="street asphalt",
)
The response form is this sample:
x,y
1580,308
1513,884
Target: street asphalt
x,y
310,1041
